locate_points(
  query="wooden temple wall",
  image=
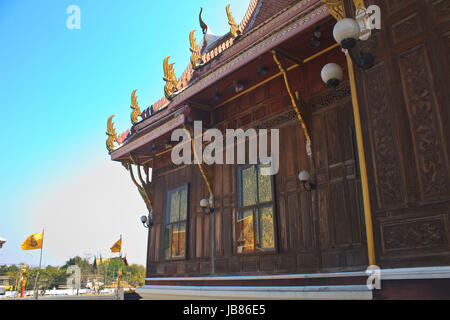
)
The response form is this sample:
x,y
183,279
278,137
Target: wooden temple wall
x,y
405,105
305,242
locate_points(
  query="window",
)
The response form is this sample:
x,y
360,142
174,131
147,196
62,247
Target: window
x,y
176,221
255,227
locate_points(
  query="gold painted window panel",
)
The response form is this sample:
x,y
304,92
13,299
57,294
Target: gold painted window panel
x,y
255,226
174,243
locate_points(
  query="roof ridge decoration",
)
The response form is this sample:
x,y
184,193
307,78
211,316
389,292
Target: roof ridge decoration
x,y
203,25
170,78
250,17
207,55
112,135
315,9
234,29
136,109
196,57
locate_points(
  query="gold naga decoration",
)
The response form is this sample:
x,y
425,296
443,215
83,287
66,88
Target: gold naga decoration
x,y
234,29
145,188
336,8
112,135
196,55
170,78
135,106
294,102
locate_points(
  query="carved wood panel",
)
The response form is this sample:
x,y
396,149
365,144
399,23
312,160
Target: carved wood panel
x,y
404,102
422,108
389,186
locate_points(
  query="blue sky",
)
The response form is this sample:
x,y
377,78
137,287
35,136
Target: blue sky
x,y
57,89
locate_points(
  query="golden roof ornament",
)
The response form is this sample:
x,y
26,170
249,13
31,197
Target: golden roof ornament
x,y
234,29
135,106
112,135
170,78
196,55
336,8
202,23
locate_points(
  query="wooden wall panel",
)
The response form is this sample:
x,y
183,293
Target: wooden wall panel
x,y
338,210
293,213
405,102
431,160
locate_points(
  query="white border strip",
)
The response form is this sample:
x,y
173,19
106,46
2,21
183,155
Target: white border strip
x,y
309,292
386,274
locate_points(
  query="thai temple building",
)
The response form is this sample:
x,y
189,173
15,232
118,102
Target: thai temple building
x,y
353,96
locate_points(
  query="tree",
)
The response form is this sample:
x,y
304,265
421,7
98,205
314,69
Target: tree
x,y
53,276
85,266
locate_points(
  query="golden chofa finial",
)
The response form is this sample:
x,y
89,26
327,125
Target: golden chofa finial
x,y
202,23
196,57
170,78
112,135
135,106
234,29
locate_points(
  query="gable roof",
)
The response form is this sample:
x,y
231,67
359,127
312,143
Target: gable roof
x,y
258,12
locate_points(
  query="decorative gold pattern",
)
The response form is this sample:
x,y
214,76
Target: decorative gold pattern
x,y
196,55
136,110
170,78
112,135
234,29
359,5
336,8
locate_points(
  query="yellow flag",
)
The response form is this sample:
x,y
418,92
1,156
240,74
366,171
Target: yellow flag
x,y
33,242
117,246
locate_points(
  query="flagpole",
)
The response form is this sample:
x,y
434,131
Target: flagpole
x,y
40,264
119,273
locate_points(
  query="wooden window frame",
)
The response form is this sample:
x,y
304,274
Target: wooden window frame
x,y
238,208
166,223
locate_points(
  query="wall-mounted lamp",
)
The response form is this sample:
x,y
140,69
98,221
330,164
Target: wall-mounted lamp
x,y
332,75
216,96
315,40
207,204
147,221
304,178
261,70
346,32
238,86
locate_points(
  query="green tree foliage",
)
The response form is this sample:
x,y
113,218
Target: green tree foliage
x,y
84,265
133,274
